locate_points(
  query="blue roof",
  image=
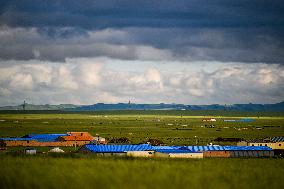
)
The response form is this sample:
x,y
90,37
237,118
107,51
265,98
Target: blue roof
x,y
37,137
211,148
169,149
166,147
228,148
16,139
117,148
45,137
239,120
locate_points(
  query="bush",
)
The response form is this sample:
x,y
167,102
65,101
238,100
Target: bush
x,y
155,142
121,140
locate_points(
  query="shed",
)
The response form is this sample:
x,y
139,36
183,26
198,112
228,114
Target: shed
x,y
30,151
56,150
276,143
209,119
116,149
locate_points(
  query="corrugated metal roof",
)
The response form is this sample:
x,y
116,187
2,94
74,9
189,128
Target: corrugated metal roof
x,y
117,148
277,139
227,148
169,149
211,148
267,140
259,141
165,147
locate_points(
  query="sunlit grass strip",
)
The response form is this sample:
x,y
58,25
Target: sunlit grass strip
x,y
47,172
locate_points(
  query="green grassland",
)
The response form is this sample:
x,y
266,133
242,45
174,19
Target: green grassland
x,y
63,172
171,127
174,129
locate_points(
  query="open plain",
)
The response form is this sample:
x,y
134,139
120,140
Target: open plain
x,y
74,170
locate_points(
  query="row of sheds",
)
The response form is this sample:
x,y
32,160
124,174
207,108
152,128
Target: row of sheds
x,y
68,139
146,150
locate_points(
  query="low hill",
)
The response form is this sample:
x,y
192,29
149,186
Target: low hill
x,y
278,107
40,107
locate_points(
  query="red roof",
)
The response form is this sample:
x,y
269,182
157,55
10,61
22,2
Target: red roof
x,y
77,138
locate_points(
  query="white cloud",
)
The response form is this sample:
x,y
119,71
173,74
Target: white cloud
x,y
87,81
88,73
64,78
22,82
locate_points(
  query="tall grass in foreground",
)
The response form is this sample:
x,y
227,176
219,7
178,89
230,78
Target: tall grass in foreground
x,y
48,172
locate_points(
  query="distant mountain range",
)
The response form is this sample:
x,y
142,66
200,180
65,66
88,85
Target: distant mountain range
x,y
127,106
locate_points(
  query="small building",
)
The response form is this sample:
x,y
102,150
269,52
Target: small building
x,y
30,151
81,138
209,119
276,143
99,140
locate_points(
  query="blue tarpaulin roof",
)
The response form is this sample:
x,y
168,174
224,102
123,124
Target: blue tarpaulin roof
x,y
118,148
228,148
37,137
239,120
45,137
210,148
169,149
166,147
16,139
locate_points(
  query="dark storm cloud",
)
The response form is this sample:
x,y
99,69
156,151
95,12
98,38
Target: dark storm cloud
x,y
142,13
220,30
226,45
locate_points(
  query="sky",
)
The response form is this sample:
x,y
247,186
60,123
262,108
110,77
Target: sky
x,y
145,51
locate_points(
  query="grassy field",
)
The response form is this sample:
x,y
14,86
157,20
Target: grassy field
x,y
170,129
42,172
86,171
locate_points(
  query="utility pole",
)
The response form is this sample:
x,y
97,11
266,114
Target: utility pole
x,y
75,143
24,105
